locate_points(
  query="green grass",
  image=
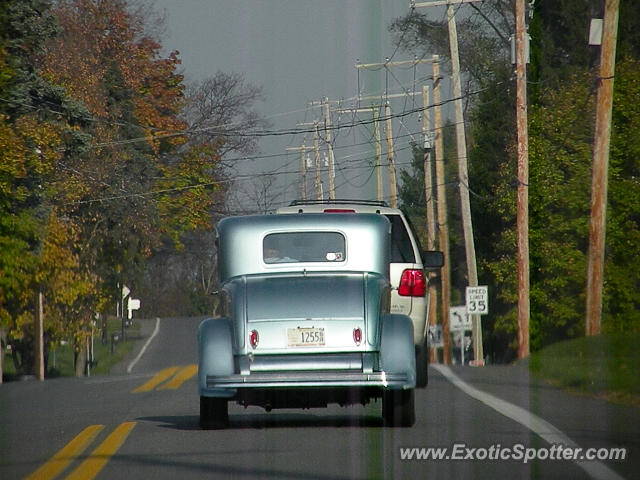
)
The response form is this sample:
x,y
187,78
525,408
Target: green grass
x,y
605,365
60,360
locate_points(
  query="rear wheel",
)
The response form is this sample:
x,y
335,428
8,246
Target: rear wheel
x,y
398,408
214,413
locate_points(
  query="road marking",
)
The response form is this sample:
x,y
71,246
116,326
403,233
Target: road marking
x,y
534,423
182,376
102,454
68,454
144,348
160,377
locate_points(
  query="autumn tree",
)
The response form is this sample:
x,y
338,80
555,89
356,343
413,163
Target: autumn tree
x,y
136,182
95,168
39,125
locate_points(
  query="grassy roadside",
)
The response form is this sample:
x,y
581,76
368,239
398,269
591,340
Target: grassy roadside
x,y
605,366
60,360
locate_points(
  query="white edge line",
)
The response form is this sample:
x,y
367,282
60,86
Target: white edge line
x,y
540,427
144,348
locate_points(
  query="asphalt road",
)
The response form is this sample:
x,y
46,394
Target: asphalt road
x,y
144,424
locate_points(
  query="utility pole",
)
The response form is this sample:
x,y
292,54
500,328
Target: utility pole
x,y
599,181
376,134
316,156
392,169
303,166
316,159
443,226
463,175
522,214
327,138
39,337
430,198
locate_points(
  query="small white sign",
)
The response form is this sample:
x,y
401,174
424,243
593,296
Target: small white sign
x,y
477,300
595,31
458,319
132,304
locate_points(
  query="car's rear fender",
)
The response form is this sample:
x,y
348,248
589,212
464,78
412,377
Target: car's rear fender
x,y
397,352
215,354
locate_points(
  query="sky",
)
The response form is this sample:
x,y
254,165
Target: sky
x,y
300,51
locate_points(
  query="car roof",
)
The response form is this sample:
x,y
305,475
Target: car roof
x,y
240,242
320,206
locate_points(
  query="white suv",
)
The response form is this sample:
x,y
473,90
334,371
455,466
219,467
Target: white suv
x,y
409,283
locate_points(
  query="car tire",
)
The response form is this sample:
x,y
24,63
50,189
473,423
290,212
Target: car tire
x,y
422,363
214,413
398,408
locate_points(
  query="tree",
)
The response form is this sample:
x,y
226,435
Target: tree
x,y
140,180
39,123
221,109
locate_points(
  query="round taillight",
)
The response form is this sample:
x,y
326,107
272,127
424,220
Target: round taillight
x,y
253,338
357,336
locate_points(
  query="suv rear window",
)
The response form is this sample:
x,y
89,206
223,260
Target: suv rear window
x,y
299,247
401,247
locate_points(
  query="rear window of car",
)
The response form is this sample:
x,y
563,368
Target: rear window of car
x,y
302,247
401,247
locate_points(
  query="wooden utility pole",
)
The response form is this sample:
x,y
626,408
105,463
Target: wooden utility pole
x,y
327,139
443,226
376,134
429,194
522,215
38,340
463,175
392,169
316,159
599,181
303,167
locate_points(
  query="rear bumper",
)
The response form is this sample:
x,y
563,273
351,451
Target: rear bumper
x,y
310,379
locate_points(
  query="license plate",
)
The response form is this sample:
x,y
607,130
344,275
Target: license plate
x,y
305,337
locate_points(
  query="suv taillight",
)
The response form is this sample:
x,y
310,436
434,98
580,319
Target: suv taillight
x,y
412,284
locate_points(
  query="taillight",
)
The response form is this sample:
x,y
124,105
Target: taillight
x,y
357,336
412,284
339,210
253,338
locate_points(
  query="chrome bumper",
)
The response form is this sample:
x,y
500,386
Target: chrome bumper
x,y
309,379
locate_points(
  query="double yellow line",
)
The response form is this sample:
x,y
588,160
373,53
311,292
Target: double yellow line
x,y
173,376
94,463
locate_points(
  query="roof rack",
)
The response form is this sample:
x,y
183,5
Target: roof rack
x,y
375,203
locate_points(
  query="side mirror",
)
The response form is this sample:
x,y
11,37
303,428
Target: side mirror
x,y
432,259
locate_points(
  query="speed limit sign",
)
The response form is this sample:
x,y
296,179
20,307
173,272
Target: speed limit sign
x,y
477,300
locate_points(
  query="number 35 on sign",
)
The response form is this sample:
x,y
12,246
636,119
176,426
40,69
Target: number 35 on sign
x,y
478,300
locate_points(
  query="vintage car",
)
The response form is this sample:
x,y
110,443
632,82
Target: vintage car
x,y
304,319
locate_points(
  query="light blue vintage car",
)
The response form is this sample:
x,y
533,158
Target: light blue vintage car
x,y
303,319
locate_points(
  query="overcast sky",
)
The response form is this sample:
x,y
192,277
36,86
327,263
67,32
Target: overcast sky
x,y
300,51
